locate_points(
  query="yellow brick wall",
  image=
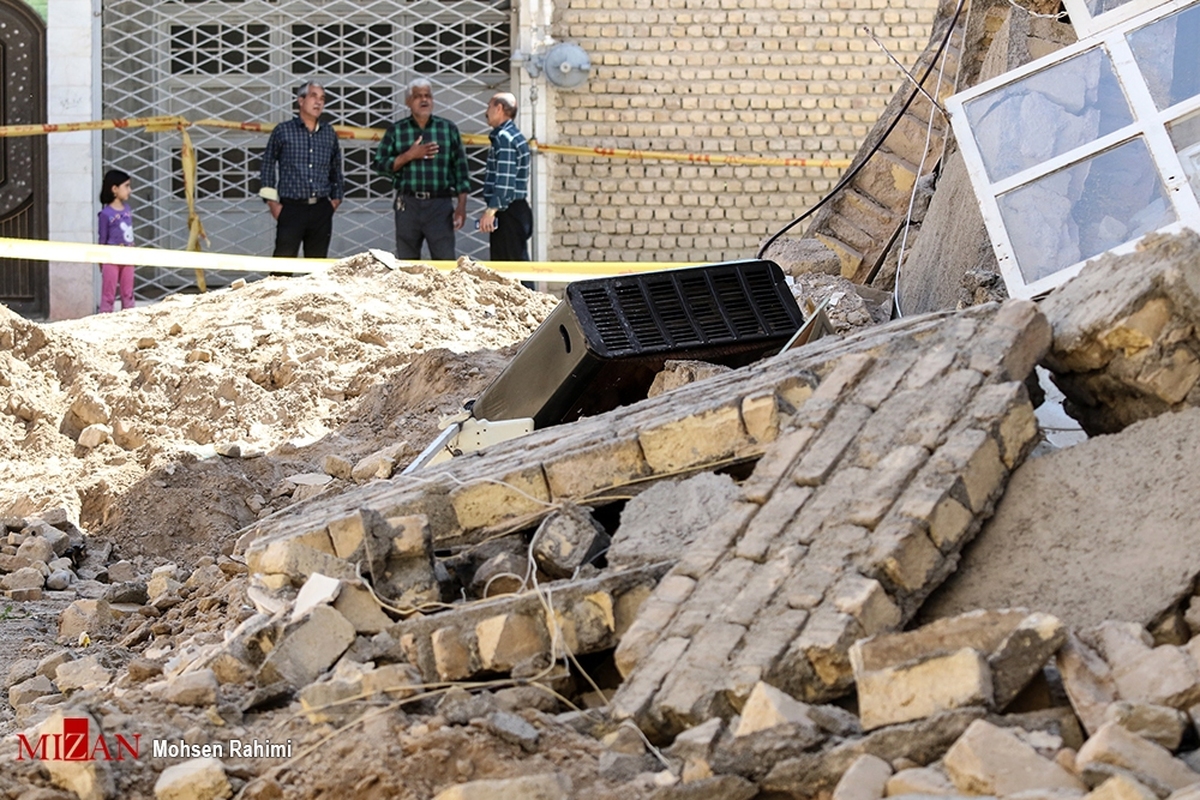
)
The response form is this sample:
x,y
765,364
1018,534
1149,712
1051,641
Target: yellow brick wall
x,y
778,78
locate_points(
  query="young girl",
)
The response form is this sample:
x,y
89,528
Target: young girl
x,y
116,227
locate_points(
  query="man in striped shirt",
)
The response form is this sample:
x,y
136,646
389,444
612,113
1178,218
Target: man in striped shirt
x,y
423,155
507,218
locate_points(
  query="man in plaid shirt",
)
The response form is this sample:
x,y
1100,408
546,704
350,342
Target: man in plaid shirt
x,y
424,156
507,218
301,178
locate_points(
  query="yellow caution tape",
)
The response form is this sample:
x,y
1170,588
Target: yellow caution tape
x,y
83,253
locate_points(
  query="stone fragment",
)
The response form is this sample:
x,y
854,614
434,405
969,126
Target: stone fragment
x,y
514,730
1087,681
93,617
357,605
376,465
60,580
317,590
866,779
29,690
1147,762
547,786
460,707
681,373
195,779
337,466
503,573
978,658
400,554
94,436
197,688
1121,787
326,701
567,539
84,673
307,648
1166,675
163,581
919,780
717,787
990,760
122,572
129,592
24,578
1160,724
768,707
90,780
36,548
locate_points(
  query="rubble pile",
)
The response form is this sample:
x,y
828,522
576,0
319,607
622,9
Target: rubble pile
x,y
743,586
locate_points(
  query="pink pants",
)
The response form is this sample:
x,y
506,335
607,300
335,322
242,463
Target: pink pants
x,y
111,275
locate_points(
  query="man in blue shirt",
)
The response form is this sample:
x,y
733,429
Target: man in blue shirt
x,y
507,218
301,178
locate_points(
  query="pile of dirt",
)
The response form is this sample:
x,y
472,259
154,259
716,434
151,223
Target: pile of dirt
x,y
280,372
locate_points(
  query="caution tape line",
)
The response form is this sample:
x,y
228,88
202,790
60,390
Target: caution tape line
x,y
83,253
165,123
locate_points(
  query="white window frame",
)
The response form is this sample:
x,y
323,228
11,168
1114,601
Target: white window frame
x,y
1149,124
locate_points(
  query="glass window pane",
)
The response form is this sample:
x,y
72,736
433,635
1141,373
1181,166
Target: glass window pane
x,y
1047,114
1185,135
1098,7
1085,209
1167,53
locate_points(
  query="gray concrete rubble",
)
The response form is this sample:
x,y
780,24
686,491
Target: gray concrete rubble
x,y
1128,507
1125,334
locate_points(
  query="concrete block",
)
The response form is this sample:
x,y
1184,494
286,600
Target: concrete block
x,y
548,786
35,548
357,605
485,503
866,779
576,474
194,779
903,693
1149,763
23,579
307,648
506,640
567,539
768,707
662,522
990,760
705,438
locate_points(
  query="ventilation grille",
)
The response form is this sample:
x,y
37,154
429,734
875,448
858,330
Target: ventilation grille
x,y
712,306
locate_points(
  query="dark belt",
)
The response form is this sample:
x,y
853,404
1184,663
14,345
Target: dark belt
x,y
428,195
301,201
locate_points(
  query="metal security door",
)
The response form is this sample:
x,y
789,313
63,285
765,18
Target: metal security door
x,y
24,285
241,61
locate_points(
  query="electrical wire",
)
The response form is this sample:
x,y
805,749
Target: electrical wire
x,y
853,172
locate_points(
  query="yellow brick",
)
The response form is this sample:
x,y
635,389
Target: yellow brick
x,y
701,439
484,503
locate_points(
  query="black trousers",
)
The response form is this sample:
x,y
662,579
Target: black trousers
x,y
514,226
302,223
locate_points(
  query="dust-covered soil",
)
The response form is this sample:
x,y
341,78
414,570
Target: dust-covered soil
x,y
280,372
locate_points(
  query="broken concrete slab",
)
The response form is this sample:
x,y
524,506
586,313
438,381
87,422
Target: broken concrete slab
x,y
307,648
1125,334
1143,533
659,523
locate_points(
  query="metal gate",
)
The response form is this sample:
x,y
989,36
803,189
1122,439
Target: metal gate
x,y
24,285
241,60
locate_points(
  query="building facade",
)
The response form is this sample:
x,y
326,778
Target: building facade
x,y
753,77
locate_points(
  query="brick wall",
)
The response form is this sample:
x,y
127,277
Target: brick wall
x,y
758,77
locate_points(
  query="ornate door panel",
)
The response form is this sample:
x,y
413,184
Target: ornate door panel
x,y
24,285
